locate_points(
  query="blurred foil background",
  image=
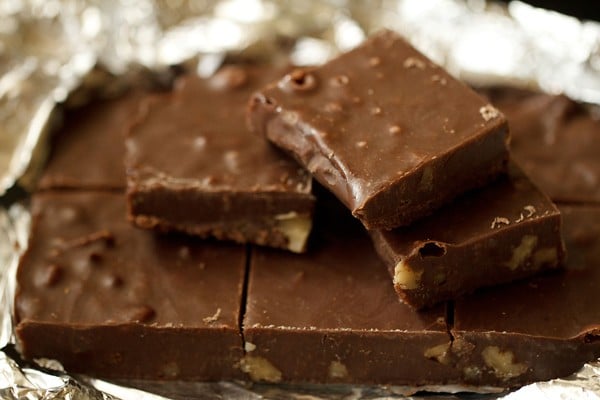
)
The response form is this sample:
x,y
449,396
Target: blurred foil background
x,y
50,48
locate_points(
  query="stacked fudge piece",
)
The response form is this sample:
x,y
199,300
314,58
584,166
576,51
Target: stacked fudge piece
x,y
399,142
198,268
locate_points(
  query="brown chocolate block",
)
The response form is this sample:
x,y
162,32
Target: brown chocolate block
x,y
541,328
109,300
506,231
192,166
331,316
392,135
556,141
88,151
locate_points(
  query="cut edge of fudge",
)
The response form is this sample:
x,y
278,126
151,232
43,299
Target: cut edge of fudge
x,y
275,210
510,245
539,329
288,230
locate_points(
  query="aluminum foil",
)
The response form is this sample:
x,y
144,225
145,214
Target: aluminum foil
x,y
50,48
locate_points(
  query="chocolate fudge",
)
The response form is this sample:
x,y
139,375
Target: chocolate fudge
x,y
557,142
192,166
331,316
109,300
391,134
88,151
503,232
537,329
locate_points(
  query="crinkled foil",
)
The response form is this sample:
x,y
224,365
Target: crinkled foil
x,y
49,48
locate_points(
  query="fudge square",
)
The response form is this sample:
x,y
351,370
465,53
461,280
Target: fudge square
x,y
87,152
110,300
192,166
556,140
331,316
538,329
392,135
505,231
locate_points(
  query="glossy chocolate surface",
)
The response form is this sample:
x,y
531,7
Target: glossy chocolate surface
x,y
110,300
556,141
503,232
193,166
87,152
541,328
392,135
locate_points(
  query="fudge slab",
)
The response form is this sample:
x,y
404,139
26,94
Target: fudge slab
x,y
331,316
556,140
192,166
392,135
109,300
506,231
538,329
87,152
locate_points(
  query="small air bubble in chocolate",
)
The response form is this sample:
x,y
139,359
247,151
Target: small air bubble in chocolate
x,y
432,249
298,81
413,62
439,79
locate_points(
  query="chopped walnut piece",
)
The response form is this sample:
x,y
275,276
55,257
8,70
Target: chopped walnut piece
x,y
260,369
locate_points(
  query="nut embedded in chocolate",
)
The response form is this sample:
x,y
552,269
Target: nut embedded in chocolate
x,y
536,329
193,167
465,245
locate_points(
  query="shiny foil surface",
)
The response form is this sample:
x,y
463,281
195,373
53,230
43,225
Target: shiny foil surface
x,y
52,50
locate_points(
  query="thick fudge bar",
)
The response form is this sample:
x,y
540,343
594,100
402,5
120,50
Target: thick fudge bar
x,y
88,151
192,166
110,300
331,316
556,141
503,232
392,135
541,328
